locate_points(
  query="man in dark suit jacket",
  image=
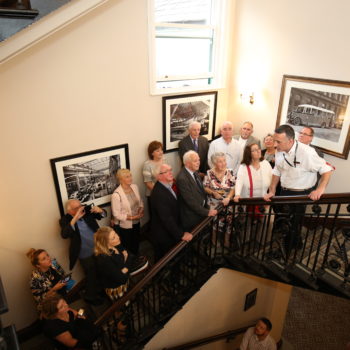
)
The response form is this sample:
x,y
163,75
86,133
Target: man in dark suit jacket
x,y
165,227
80,227
195,142
193,204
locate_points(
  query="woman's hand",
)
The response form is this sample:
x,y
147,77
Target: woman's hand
x,y
217,195
125,253
236,198
58,286
226,201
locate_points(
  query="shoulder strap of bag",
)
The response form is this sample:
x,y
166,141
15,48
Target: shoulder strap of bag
x,y
250,181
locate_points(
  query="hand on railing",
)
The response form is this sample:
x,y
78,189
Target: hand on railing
x,y
212,212
187,237
267,197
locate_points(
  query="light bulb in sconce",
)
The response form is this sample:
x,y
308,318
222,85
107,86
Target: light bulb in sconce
x,y
247,98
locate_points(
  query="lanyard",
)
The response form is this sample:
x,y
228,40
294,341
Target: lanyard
x,y
295,157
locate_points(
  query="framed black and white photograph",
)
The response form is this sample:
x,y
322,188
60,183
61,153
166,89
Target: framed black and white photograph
x,y
321,104
180,111
89,176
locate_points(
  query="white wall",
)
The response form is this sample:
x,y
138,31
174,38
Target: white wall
x,y
85,87
295,37
218,307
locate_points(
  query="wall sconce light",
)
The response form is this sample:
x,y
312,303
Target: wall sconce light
x,y
249,98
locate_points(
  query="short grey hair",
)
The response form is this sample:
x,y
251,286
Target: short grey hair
x,y
250,123
227,122
188,155
159,168
214,157
69,203
194,123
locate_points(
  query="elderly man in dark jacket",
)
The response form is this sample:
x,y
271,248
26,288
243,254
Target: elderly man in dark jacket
x,y
80,226
165,224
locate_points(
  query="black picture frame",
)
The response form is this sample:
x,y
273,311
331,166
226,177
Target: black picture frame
x,y
88,176
321,104
180,110
250,299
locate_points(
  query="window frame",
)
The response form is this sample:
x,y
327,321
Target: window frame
x,y
219,51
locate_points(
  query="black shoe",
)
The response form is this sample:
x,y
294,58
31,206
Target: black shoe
x,y
138,264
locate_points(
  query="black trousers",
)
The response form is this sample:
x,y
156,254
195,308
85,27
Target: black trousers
x,y
296,212
130,237
92,286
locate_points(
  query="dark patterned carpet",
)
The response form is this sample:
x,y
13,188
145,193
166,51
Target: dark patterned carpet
x,y
317,321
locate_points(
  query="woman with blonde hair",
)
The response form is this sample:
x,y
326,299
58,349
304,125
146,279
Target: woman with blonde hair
x,y
127,210
47,278
112,262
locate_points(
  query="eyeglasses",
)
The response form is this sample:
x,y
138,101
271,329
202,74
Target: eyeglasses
x,y
256,150
303,134
166,171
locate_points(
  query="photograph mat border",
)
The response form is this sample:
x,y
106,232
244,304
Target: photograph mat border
x,y
338,149
170,146
57,165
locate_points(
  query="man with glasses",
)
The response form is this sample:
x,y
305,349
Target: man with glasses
x,y
165,228
79,224
227,145
306,136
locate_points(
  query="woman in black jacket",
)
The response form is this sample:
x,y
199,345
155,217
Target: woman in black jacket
x,y
112,262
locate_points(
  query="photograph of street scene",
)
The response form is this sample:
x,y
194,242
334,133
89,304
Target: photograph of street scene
x,y
182,114
324,111
92,179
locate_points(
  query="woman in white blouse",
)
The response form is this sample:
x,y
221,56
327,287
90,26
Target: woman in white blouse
x,y
254,174
127,210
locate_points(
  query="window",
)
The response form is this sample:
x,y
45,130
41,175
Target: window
x,y
186,44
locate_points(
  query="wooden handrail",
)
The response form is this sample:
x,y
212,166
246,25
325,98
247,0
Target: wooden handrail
x,y
342,198
207,340
151,273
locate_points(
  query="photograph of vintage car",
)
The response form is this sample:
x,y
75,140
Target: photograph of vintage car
x,y
318,109
321,104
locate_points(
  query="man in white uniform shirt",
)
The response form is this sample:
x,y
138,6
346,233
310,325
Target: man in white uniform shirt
x,y
246,138
297,166
228,146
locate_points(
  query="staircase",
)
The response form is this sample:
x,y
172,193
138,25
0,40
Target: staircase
x,y
307,247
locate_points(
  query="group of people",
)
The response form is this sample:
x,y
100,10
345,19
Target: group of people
x,y
106,262
231,167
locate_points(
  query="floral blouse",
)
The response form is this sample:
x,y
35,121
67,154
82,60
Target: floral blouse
x,y
223,187
42,282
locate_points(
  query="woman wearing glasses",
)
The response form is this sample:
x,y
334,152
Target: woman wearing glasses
x,y
270,151
254,174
